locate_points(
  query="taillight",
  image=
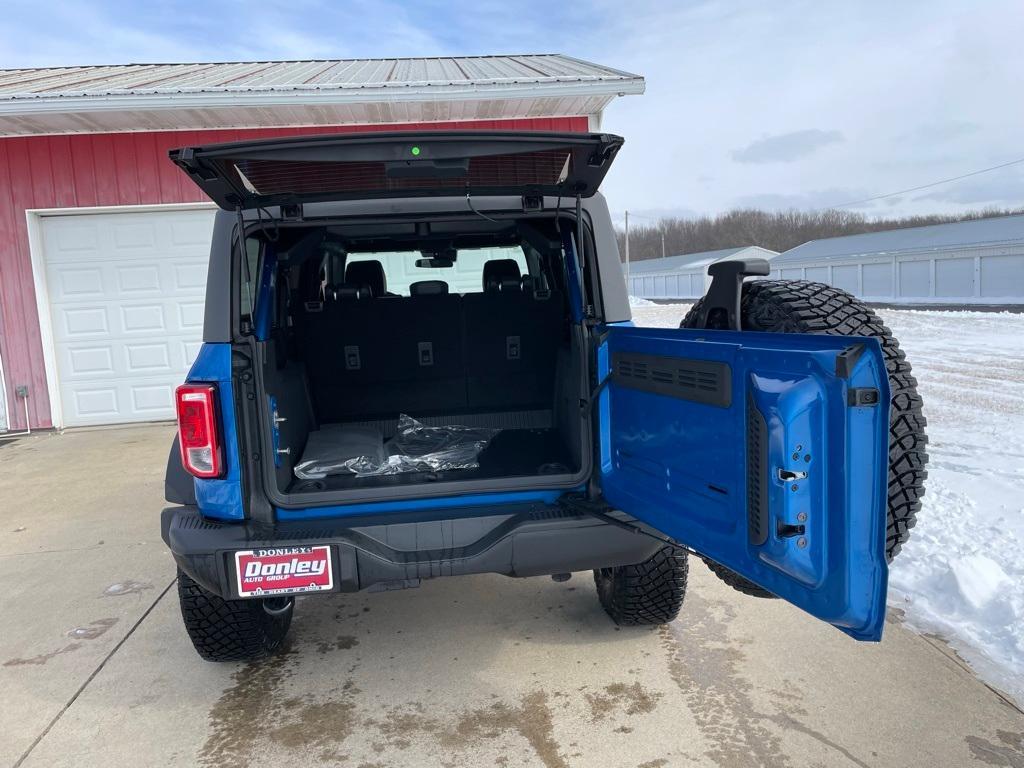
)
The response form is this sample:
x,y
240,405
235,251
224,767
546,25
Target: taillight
x,y
197,429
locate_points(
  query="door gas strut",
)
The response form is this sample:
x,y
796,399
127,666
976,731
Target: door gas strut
x,y
600,511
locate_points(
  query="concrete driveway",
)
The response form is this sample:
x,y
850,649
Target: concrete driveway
x,y
95,668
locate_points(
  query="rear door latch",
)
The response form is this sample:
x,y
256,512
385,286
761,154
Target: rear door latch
x,y
863,396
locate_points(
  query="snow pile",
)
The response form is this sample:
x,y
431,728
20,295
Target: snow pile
x,y
980,581
962,572
961,575
636,301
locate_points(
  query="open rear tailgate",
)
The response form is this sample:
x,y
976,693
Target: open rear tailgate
x,y
398,164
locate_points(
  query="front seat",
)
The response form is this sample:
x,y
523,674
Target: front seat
x,y
368,273
502,275
428,288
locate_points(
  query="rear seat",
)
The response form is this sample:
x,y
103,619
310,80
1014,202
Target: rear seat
x,y
343,358
512,340
430,347
376,355
371,357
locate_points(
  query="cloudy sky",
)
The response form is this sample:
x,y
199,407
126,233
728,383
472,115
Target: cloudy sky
x,y
781,105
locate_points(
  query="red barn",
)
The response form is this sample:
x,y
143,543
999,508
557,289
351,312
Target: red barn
x,y
103,243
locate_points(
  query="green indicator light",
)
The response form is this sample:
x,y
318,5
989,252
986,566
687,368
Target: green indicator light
x,y
415,151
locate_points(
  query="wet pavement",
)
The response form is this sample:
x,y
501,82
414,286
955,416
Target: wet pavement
x,y
95,667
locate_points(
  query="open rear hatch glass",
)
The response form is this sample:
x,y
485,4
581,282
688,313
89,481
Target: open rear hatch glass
x,y
398,164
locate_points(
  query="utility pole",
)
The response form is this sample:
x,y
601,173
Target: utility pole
x,y
663,244
628,286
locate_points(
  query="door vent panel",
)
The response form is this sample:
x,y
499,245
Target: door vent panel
x,y
757,477
700,381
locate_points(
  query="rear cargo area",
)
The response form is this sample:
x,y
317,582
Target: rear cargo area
x,y
370,388
499,445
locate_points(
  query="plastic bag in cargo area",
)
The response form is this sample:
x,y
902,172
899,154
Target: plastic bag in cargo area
x,y
419,448
415,447
336,448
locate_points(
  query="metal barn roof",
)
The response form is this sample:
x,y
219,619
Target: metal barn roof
x,y
688,261
97,98
995,231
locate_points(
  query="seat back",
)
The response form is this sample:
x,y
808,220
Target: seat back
x,y
512,339
371,356
430,345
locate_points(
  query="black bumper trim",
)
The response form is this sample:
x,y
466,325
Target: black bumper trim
x,y
531,540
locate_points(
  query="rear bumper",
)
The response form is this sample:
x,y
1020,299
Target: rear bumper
x,y
532,540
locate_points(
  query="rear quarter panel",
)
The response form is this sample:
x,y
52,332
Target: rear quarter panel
x,y
220,498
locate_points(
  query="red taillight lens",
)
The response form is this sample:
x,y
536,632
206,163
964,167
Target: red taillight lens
x,y
197,429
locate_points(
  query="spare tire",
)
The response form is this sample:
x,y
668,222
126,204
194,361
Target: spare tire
x,y
802,306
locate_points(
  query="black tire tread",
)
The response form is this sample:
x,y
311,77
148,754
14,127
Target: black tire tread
x,y
803,306
229,630
650,592
737,582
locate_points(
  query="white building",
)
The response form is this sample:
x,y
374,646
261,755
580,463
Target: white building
x,y
685,276
969,262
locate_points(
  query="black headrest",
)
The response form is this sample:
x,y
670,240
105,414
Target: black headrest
x,y
368,273
345,291
428,287
500,274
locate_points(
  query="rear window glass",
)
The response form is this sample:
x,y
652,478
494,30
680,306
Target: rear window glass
x,y
543,168
465,276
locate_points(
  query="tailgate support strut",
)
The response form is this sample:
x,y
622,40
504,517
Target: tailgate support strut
x,y
600,510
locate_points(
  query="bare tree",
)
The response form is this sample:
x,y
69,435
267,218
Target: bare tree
x,y
777,231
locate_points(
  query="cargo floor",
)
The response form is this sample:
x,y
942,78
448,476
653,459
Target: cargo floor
x,y
510,453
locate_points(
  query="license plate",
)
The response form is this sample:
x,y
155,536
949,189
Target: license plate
x,y
283,570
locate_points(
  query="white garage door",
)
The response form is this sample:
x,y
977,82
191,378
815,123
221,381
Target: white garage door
x,y
126,297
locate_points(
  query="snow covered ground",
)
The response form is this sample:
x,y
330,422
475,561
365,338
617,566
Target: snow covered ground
x,y
961,575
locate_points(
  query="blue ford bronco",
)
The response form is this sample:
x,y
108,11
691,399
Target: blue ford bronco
x,y
418,361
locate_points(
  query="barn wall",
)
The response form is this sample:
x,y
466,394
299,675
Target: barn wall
x,y
114,169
